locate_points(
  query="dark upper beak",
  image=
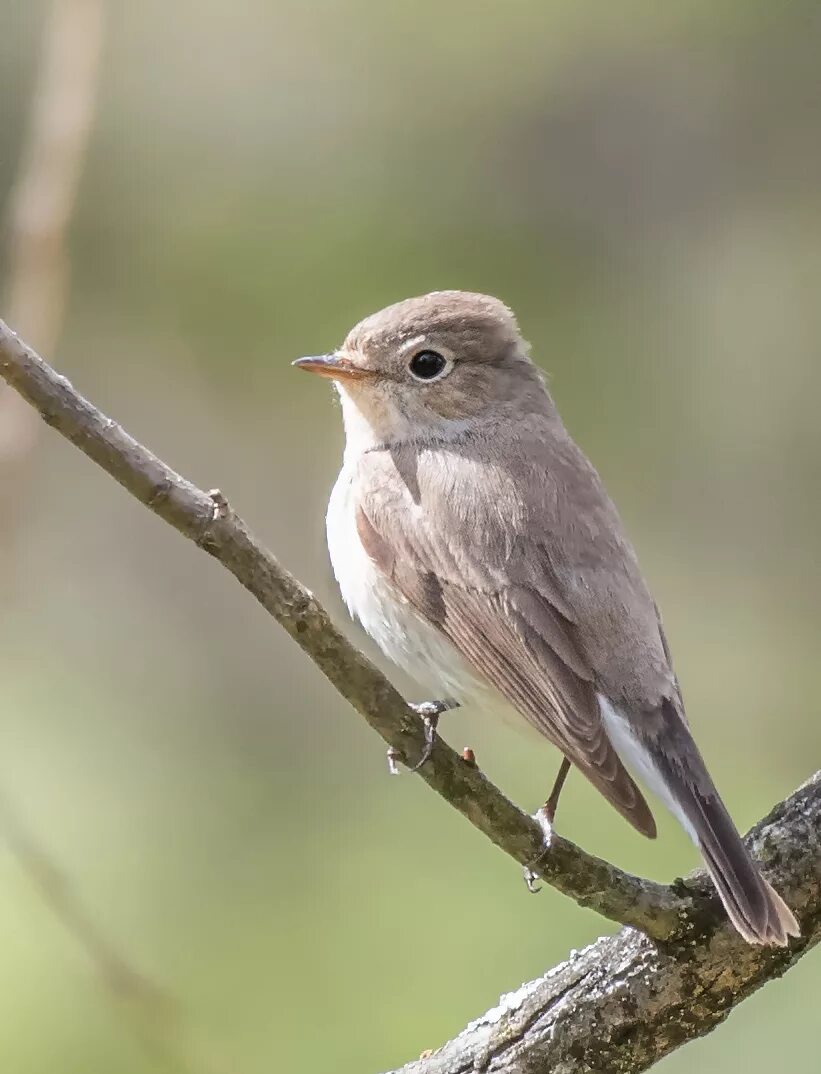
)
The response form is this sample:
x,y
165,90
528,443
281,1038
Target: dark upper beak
x,y
333,365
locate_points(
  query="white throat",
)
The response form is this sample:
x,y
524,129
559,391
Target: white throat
x,y
360,434
388,424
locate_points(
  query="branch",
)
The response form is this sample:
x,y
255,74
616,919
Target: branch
x,y
685,920
209,521
624,1002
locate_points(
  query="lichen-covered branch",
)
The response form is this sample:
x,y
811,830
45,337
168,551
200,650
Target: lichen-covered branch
x,y
682,971
626,1001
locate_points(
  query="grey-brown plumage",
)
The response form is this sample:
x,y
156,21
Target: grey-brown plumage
x,y
475,542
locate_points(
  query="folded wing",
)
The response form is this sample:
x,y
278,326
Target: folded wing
x,y
519,636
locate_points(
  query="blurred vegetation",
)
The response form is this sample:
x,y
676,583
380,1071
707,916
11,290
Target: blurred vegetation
x,y
642,183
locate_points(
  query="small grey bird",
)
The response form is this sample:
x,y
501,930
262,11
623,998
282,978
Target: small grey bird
x,y
475,543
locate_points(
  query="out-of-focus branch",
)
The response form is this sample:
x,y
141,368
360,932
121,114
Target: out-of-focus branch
x,y
153,1013
37,218
622,1003
625,1002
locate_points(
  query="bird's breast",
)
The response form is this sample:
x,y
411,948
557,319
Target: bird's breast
x,y
400,632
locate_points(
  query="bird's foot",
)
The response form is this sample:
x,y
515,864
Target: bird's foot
x,y
531,880
544,817
429,712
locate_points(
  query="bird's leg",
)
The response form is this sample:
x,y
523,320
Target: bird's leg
x,y
550,806
545,816
430,711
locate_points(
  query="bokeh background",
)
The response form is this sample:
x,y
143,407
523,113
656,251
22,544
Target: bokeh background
x,y
642,183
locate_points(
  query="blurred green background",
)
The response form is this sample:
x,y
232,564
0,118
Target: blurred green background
x,y
642,183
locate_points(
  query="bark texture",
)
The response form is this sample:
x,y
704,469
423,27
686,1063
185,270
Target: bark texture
x,y
626,1001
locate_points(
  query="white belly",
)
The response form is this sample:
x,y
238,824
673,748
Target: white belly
x,y
402,635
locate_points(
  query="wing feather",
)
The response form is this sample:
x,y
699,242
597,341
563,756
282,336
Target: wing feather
x,y
513,637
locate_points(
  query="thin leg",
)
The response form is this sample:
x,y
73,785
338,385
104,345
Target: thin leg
x,y
550,806
430,711
546,815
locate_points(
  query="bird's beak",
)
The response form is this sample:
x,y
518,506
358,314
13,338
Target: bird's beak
x,y
333,365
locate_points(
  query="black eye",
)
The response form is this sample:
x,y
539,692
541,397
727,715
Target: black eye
x,y
427,364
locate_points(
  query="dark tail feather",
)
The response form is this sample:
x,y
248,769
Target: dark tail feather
x,y
756,910
754,907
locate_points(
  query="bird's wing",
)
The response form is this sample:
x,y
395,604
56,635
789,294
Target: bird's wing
x,y
480,569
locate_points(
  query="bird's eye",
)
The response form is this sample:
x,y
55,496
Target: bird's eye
x,y
428,365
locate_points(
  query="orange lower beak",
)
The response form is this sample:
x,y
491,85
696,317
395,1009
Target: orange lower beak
x,y
333,366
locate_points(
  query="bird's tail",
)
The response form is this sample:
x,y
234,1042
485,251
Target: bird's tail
x,y
676,771
753,906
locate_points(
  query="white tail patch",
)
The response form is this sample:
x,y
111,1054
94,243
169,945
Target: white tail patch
x,y
639,761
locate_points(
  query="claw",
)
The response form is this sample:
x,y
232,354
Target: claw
x,y
430,721
531,880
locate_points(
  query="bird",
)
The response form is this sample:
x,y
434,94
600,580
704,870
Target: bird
x,y
475,543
